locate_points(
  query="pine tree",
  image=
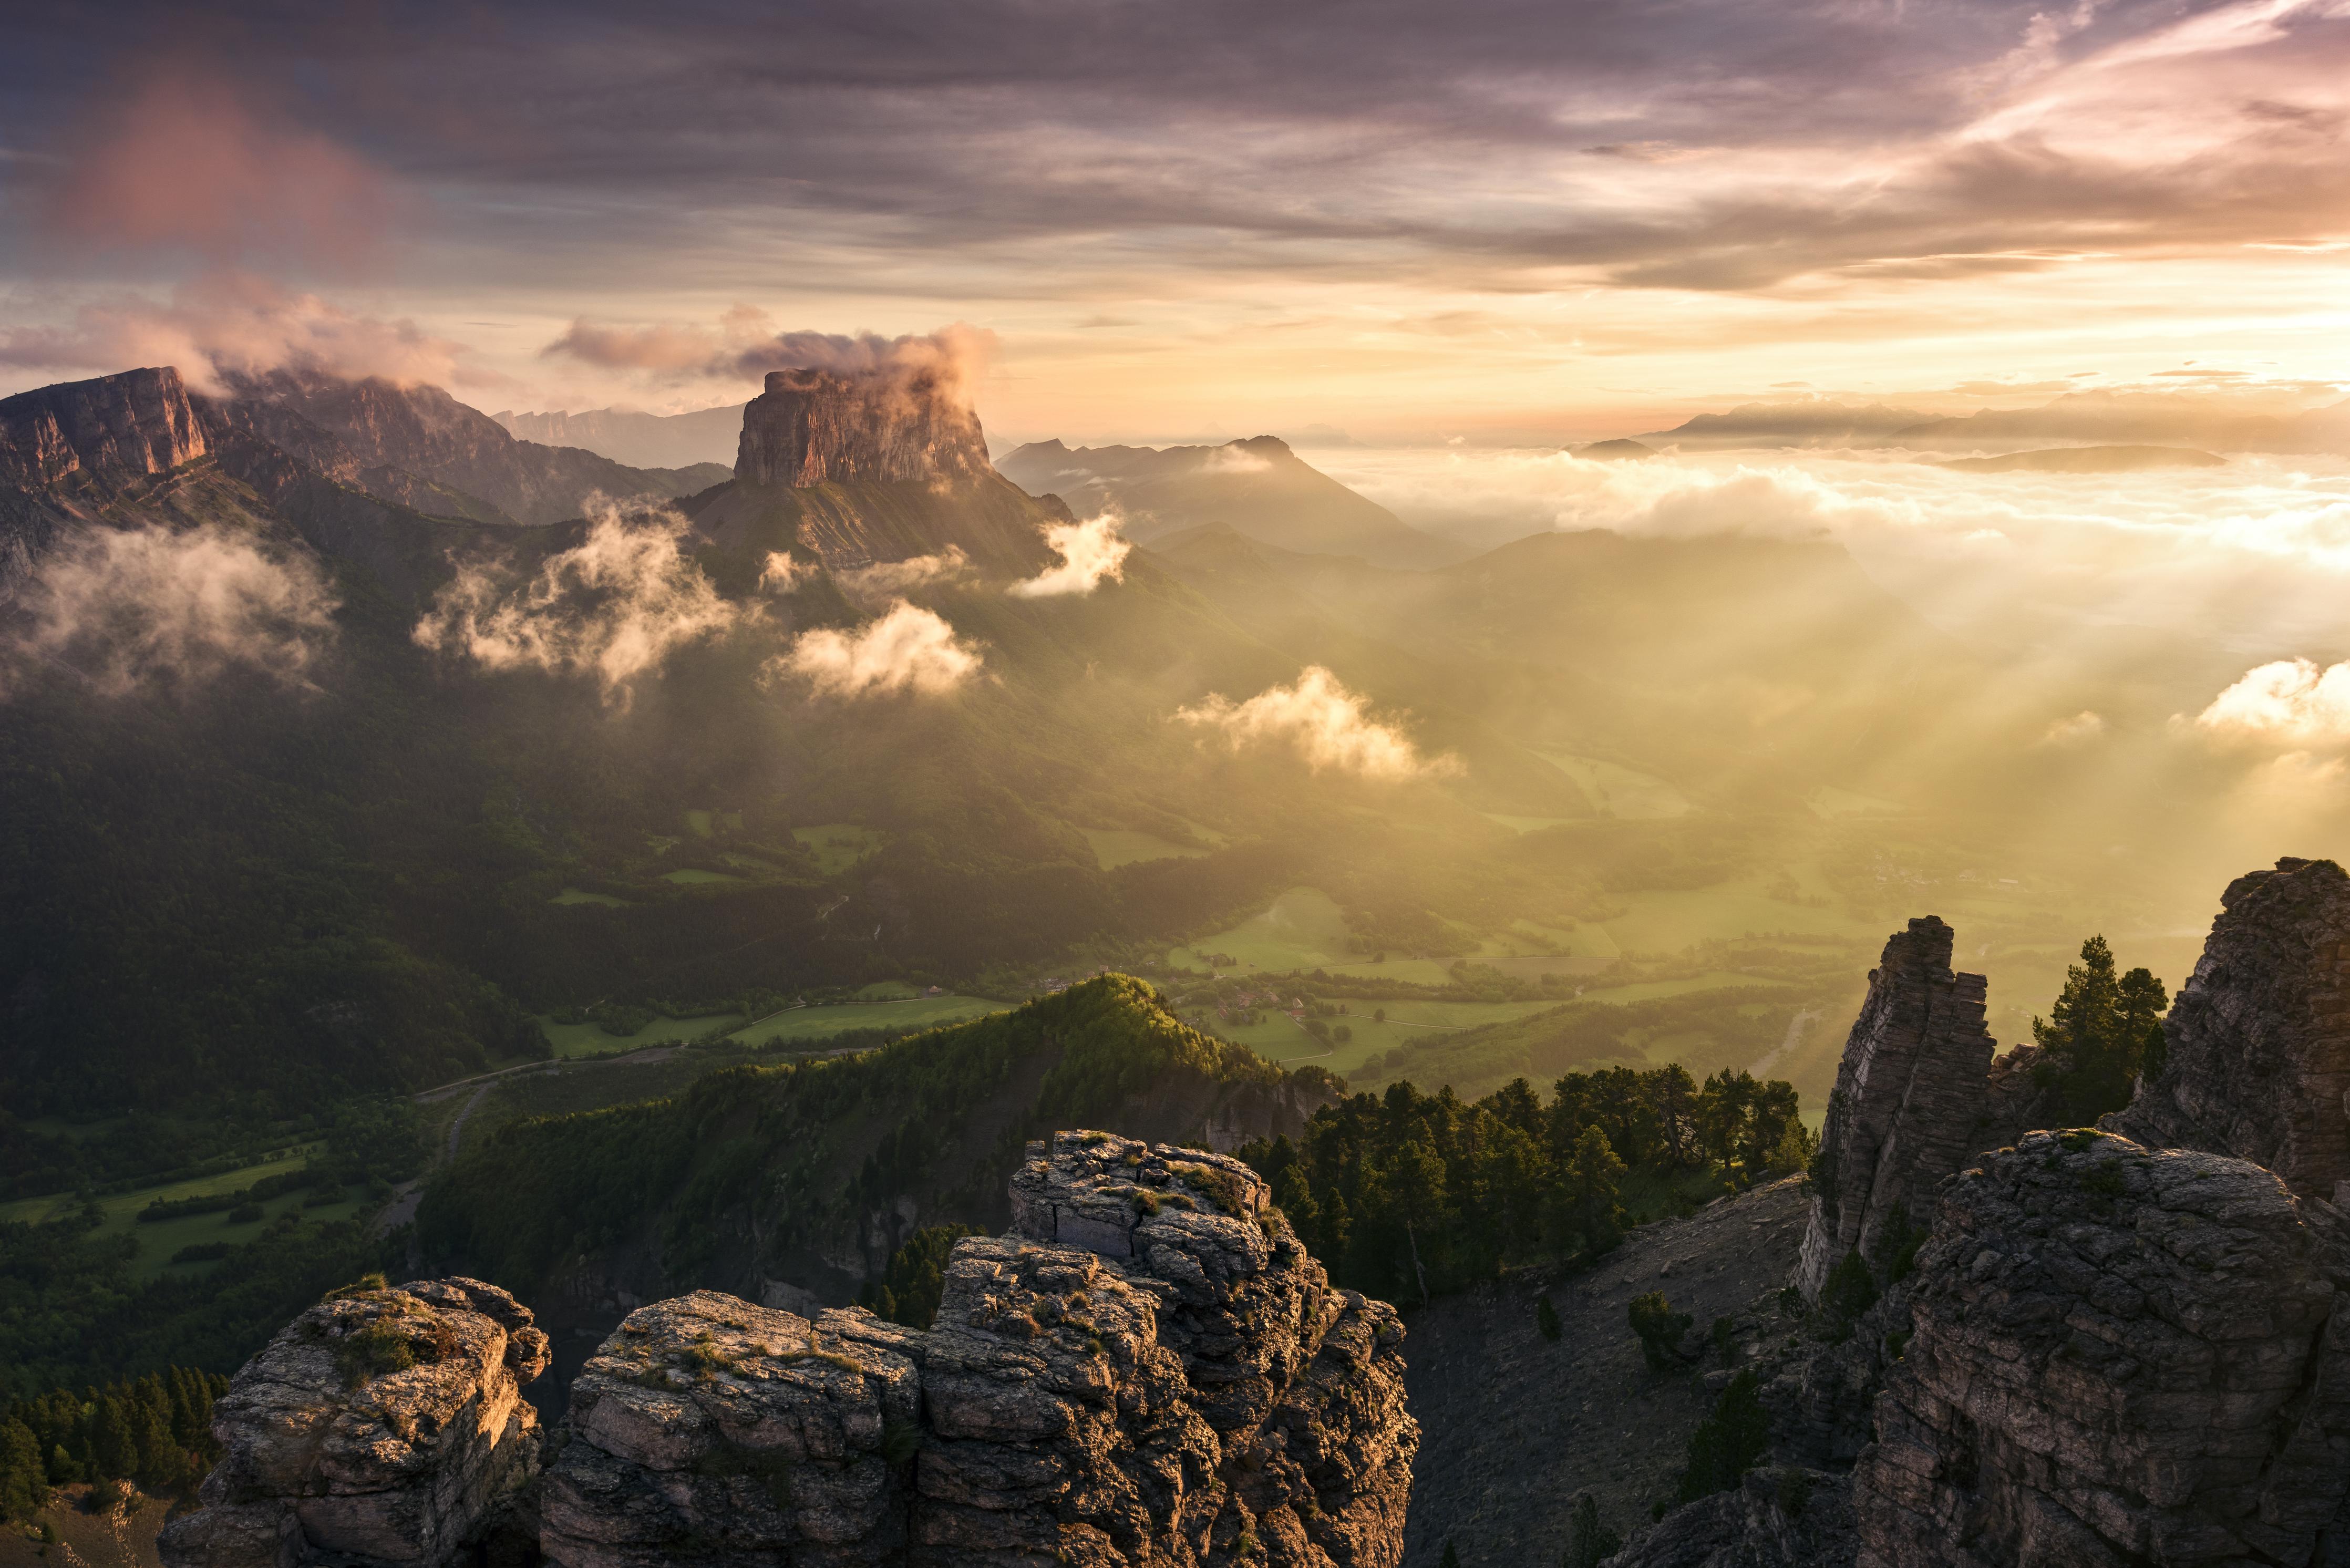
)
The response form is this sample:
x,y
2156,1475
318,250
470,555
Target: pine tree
x,y
113,1445
2098,1034
1546,1317
1450,1559
1588,1541
1592,1187
23,1485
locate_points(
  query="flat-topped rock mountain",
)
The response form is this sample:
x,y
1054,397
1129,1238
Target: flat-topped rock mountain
x,y
812,427
1148,1368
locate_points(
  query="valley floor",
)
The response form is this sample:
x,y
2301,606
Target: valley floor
x,y
1513,1426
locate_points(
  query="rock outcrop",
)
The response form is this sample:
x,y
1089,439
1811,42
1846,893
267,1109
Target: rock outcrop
x,y
812,427
134,423
380,1427
2120,1357
1909,1104
1149,1370
2257,1044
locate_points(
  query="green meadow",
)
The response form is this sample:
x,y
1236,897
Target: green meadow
x,y
589,1039
1614,790
908,1013
837,846
159,1240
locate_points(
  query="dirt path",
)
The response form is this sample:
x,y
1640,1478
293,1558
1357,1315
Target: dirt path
x,y
1793,1037
1513,1426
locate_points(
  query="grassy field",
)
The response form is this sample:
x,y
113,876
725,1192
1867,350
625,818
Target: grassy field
x,y
1617,791
158,1242
1827,801
693,875
1282,1038
588,1039
910,1013
1527,824
575,895
837,846
1116,846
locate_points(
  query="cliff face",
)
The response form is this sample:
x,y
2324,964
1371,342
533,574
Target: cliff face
x,y
810,427
136,423
1149,1370
2258,1041
1909,1101
2120,1355
387,1427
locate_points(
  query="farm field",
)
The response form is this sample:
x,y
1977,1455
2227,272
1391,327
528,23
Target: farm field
x,y
1617,791
837,846
1116,846
159,1240
577,896
693,875
909,1013
589,1039
1282,1038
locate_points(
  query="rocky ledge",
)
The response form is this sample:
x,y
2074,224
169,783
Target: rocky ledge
x,y
1149,1370
382,1427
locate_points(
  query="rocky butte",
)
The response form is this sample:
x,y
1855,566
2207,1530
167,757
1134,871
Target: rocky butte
x,y
812,427
1148,1369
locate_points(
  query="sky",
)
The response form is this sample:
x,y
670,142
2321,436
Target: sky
x,y
1491,219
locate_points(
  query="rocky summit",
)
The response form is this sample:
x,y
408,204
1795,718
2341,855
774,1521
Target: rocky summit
x,y
1148,1369
812,427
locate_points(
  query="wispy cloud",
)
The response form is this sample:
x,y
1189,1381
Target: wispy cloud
x,y
907,650
133,609
612,608
1092,553
1327,725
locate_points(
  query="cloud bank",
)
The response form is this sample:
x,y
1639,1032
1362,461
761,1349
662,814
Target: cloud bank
x,y
614,607
884,578
1324,723
1091,551
745,345
2290,702
141,608
229,323
907,650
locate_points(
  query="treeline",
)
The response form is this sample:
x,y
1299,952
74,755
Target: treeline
x,y
1408,1195
155,1431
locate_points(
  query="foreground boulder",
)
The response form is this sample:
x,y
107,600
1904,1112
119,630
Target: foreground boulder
x,y
2257,1044
2119,1356
380,1427
1149,1370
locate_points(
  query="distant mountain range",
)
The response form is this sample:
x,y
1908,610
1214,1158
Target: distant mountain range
x,y
641,440
1257,486
2109,419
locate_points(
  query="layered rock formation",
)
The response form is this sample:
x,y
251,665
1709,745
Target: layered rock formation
x,y
812,427
1149,1370
2120,1355
137,422
384,1426
2258,1041
1909,1101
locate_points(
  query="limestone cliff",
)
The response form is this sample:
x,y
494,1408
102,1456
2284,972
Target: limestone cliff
x,y
2258,1041
1149,1370
811,427
380,1427
1908,1101
136,423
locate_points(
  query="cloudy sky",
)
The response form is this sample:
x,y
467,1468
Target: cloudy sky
x,y
1492,218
